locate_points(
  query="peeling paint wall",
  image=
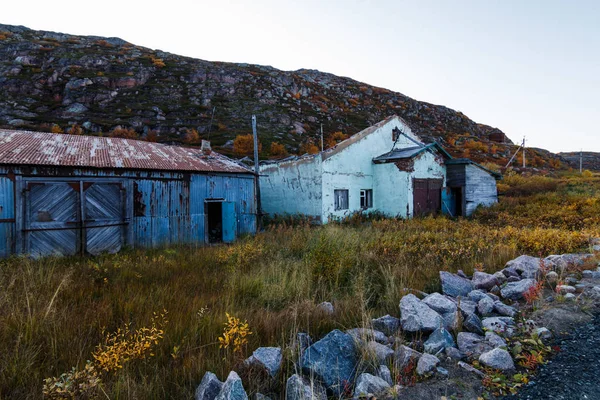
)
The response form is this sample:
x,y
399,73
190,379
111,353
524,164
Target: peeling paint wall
x,y
480,189
395,187
353,169
292,187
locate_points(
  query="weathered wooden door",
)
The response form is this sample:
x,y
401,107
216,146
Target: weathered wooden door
x,y
427,196
52,218
66,218
103,217
229,221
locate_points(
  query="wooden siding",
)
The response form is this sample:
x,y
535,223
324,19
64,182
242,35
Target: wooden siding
x,y
480,189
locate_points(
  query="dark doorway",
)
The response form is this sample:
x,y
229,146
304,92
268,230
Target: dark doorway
x,y
214,219
458,201
427,196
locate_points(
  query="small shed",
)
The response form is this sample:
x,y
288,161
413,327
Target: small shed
x,y
469,185
68,194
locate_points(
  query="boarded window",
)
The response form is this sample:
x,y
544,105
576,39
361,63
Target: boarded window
x,y
366,198
340,199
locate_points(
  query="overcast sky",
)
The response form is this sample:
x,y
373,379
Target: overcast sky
x,y
530,68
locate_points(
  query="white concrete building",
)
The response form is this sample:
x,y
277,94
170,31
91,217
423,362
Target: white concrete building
x,y
384,168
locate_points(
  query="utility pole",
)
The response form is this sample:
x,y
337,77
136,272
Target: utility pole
x,y
256,177
523,151
321,137
581,161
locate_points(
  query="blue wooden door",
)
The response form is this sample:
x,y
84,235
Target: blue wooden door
x,y
103,217
229,221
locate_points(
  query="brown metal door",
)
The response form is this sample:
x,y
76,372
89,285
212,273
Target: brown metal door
x,y
427,196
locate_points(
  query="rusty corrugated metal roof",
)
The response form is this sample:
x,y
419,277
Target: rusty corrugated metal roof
x,y
49,149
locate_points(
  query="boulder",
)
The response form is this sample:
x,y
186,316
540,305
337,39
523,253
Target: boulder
x,y
591,274
426,364
439,340
326,308
404,356
454,353
379,352
300,388
570,297
303,342
363,335
564,289
497,359
482,280
440,303
370,384
472,345
232,389
416,316
209,387
472,323
552,277
476,295
504,310
452,321
332,359
500,277
495,340
384,373
563,261
525,266
543,333
485,306
516,290
470,368
467,306
513,279
268,358
501,325
387,324
454,285
493,296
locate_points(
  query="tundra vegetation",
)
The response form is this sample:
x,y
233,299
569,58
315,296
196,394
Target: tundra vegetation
x,y
149,323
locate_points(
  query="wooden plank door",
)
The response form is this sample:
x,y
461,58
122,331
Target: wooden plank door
x,y
52,218
427,196
104,217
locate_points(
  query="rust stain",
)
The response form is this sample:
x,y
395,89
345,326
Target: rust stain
x,y
48,149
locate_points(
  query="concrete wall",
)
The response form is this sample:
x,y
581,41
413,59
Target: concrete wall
x,y
352,168
292,187
480,189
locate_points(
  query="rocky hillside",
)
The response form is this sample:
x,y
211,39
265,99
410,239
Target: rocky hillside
x,y
591,160
51,81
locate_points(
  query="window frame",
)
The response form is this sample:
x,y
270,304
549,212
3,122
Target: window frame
x,y
338,202
366,199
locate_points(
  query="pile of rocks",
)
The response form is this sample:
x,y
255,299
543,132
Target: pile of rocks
x,y
468,321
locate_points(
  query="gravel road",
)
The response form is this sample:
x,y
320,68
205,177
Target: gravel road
x,y
574,373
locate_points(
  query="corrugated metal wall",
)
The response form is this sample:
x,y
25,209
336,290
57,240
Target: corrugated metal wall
x,y
164,208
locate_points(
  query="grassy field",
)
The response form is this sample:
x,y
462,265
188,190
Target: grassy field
x,y
55,314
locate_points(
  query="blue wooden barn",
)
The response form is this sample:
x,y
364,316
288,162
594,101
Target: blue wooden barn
x,y
68,194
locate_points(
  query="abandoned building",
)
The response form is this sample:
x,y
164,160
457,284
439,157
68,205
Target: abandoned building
x,y
384,168
67,194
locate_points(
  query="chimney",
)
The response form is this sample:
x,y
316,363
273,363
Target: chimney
x,y
205,148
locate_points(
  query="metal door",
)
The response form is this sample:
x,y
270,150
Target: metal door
x,y
427,196
52,218
229,221
103,217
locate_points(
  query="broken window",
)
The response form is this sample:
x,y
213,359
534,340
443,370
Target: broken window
x,y
340,199
366,198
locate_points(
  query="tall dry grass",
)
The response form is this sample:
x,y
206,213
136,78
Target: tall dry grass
x,y
53,311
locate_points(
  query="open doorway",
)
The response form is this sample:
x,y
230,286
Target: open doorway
x,y
214,219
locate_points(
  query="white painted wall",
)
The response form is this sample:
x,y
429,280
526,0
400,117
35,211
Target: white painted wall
x,y
352,168
395,188
307,185
292,187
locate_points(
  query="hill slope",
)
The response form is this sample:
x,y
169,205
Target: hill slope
x,y
591,160
55,80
